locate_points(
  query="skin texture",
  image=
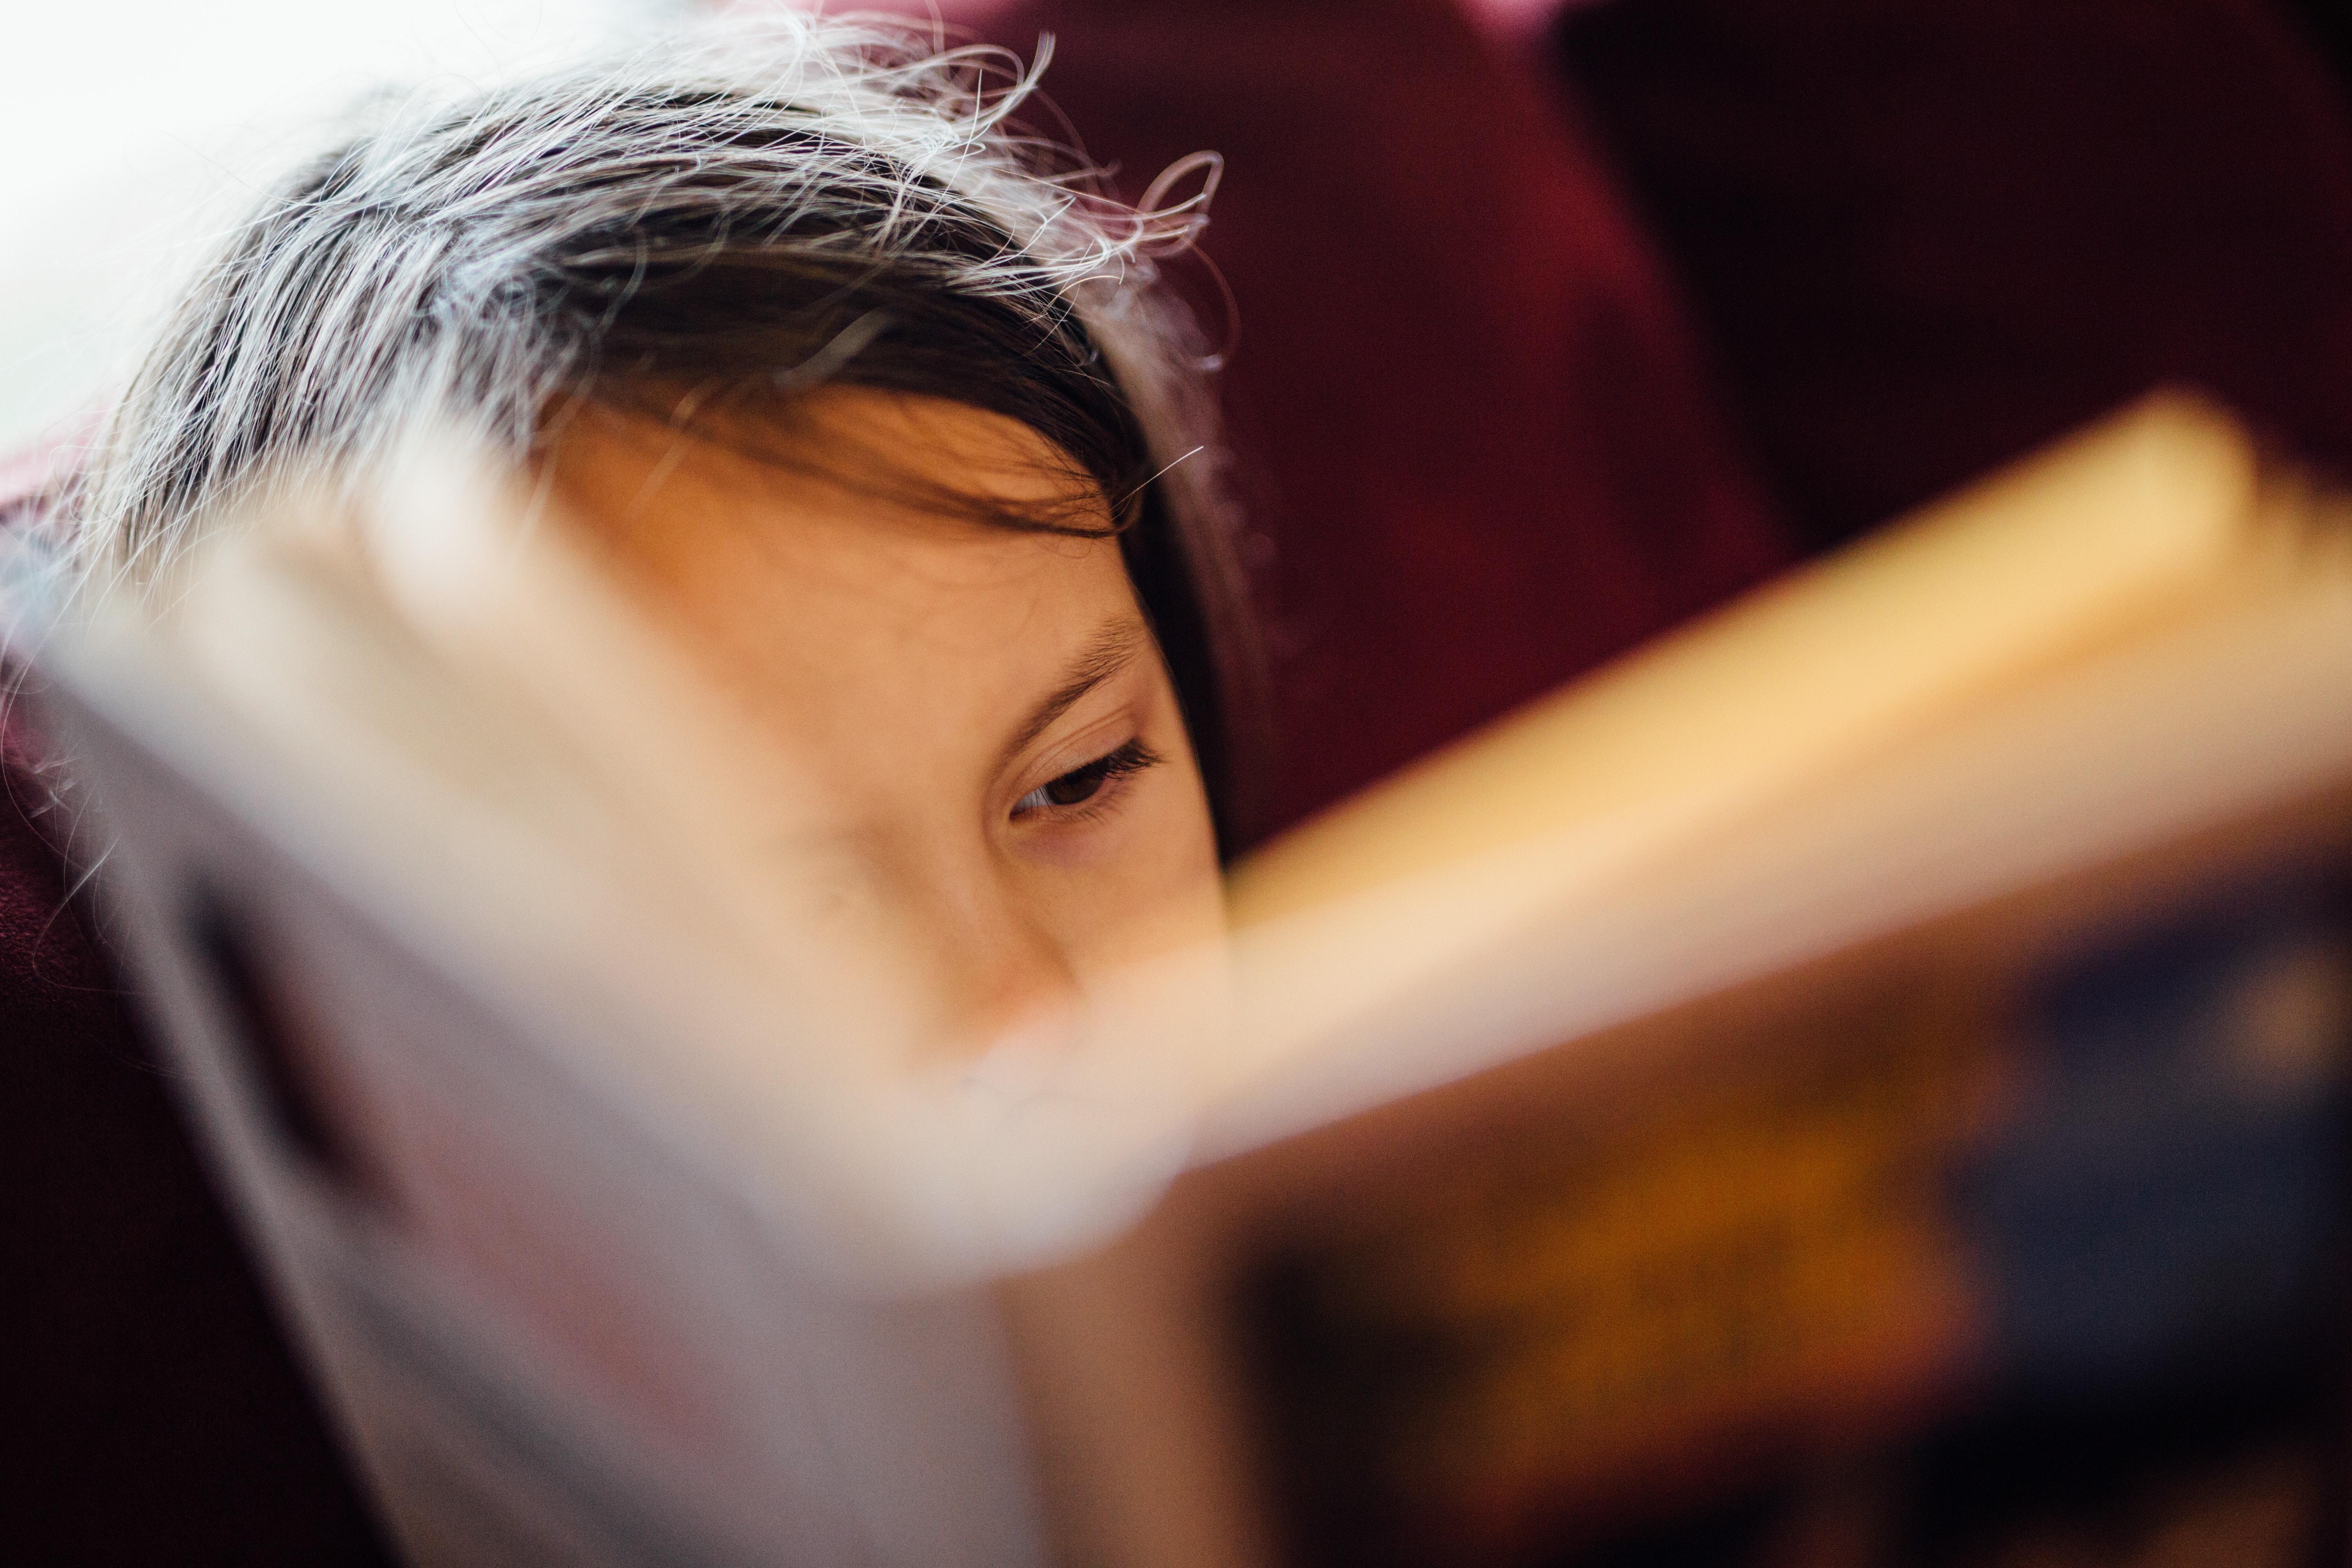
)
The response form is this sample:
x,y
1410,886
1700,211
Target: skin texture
x,y
951,685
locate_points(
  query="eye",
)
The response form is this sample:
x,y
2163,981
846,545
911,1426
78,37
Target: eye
x,y
1087,782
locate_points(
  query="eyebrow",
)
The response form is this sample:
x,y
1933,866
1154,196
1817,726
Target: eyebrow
x,y
1111,649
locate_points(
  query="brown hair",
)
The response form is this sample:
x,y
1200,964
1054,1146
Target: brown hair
x,y
716,227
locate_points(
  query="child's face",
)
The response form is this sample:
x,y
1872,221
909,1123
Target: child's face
x,y
987,717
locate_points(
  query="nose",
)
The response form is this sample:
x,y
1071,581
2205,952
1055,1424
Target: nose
x,y
1001,972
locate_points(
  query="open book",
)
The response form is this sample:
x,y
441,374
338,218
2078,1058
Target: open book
x,y
1861,1082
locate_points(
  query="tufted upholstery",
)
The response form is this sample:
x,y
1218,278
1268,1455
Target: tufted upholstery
x,y
1480,435
1925,238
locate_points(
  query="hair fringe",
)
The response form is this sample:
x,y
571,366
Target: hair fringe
x,y
197,430
386,281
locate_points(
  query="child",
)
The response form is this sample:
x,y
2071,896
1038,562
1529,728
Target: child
x,y
871,397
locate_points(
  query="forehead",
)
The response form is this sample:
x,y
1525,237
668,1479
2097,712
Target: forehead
x,y
833,565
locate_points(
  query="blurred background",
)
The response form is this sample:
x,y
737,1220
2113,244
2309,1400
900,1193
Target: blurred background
x,y
133,127
1558,324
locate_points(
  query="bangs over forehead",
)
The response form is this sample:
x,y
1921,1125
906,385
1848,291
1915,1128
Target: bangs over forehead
x,y
696,236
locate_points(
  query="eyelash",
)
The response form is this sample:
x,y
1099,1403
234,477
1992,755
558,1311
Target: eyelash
x,y
1103,774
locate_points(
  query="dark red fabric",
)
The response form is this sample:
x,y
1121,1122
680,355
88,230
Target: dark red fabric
x,y
2329,25
1480,437
148,1411
1928,236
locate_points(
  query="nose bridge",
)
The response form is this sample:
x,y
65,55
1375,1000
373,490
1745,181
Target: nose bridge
x,y
998,965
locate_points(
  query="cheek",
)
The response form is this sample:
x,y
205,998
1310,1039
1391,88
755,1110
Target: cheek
x,y
1147,885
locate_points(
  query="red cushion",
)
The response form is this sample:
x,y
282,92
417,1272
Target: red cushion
x,y
153,1414
1482,443
1929,236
